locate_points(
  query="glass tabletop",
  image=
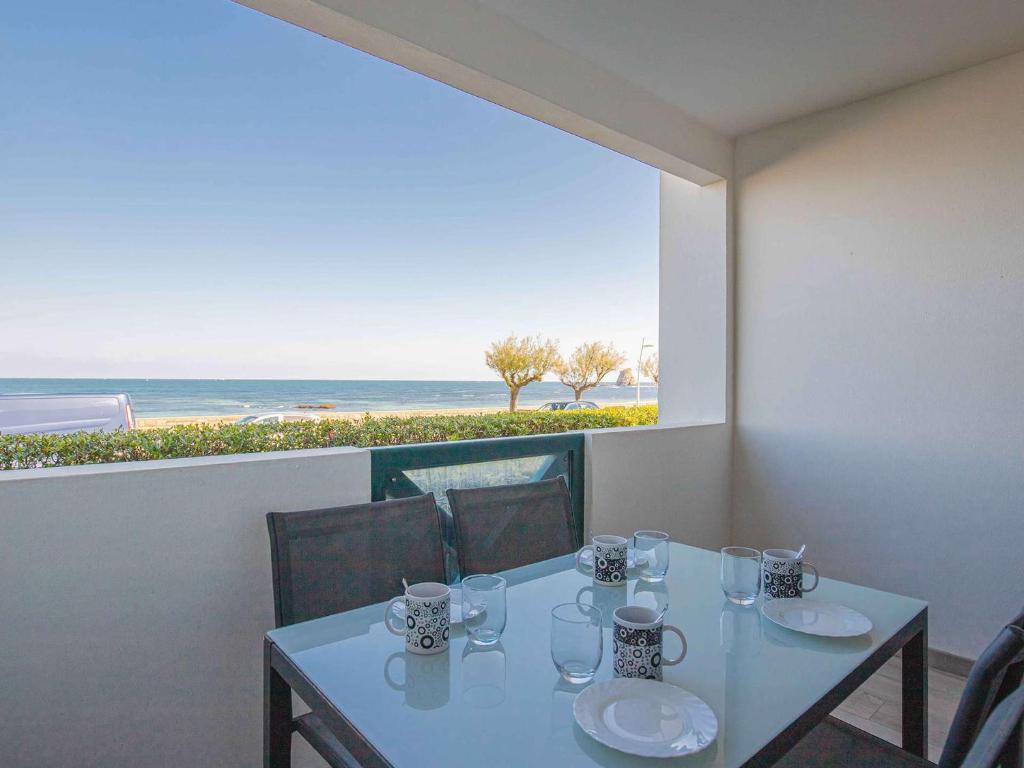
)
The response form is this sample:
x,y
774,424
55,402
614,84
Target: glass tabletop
x,y
506,705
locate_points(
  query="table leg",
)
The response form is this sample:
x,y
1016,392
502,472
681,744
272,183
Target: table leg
x,y
915,693
277,715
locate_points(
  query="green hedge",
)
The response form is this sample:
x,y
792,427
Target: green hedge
x,y
23,451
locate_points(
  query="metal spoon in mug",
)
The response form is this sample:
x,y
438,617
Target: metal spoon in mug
x,y
406,583
798,554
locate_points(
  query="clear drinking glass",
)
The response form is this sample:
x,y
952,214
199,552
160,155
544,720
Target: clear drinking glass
x,y
651,548
577,643
741,574
483,608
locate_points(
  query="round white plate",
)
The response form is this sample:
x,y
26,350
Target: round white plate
x,y
816,618
587,559
645,717
455,606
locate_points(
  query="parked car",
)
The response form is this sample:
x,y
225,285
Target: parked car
x,y
569,405
63,414
276,418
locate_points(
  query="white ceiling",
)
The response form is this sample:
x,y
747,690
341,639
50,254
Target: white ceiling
x,y
740,65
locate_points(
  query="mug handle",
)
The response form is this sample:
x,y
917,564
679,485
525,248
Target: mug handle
x,y
666,662
592,590
387,618
579,565
387,672
812,569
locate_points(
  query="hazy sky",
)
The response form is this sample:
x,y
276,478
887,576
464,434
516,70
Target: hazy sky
x,y
193,189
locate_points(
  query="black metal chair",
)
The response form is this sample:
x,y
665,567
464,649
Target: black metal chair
x,y
995,675
994,745
327,561
508,526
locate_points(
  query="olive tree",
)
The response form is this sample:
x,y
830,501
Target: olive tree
x,y
521,361
588,365
651,367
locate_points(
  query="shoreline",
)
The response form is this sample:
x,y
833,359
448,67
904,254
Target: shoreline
x,y
160,422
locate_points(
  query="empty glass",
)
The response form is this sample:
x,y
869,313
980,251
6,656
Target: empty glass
x,y
741,574
577,643
651,549
483,608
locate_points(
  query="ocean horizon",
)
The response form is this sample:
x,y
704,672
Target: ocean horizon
x,y
155,398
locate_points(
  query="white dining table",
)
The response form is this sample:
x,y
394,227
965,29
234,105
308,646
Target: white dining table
x,y
506,705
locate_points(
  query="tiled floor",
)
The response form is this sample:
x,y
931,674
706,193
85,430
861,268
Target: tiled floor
x,y
875,706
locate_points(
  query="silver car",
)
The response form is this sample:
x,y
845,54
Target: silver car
x,y
63,414
569,405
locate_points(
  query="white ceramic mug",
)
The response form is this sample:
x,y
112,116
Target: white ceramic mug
x,y
427,617
637,642
782,574
610,553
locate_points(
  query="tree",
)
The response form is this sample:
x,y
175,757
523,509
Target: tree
x,y
651,367
521,361
588,365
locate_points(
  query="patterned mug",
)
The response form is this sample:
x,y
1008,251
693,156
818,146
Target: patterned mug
x,y
637,640
782,574
427,617
609,554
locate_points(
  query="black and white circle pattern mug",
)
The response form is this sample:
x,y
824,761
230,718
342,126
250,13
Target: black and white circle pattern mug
x,y
427,617
782,574
637,642
609,566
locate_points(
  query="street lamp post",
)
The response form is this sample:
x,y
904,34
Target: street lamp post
x,y
639,365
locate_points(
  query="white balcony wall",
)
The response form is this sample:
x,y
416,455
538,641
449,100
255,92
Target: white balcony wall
x,y
693,302
674,479
134,601
880,344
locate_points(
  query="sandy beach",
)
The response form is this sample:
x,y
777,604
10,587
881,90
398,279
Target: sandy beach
x,y
172,421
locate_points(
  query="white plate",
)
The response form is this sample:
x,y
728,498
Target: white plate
x,y
816,618
587,559
455,606
645,717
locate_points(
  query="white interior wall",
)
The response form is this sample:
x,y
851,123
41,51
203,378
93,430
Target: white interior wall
x,y
880,344
134,601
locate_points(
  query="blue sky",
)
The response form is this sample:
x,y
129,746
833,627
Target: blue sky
x,y
194,189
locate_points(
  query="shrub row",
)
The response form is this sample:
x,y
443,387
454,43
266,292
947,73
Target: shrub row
x,y
41,450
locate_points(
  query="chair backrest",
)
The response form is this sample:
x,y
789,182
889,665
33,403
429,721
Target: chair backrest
x,y
331,560
992,747
1018,620
511,525
995,675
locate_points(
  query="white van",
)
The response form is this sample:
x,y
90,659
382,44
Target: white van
x,y
62,414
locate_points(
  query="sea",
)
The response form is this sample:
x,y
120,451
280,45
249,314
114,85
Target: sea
x,y
217,397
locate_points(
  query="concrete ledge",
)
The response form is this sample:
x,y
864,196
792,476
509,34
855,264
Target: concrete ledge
x,y
186,463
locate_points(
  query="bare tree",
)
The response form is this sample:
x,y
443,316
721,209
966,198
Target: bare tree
x,y
651,367
588,365
521,361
